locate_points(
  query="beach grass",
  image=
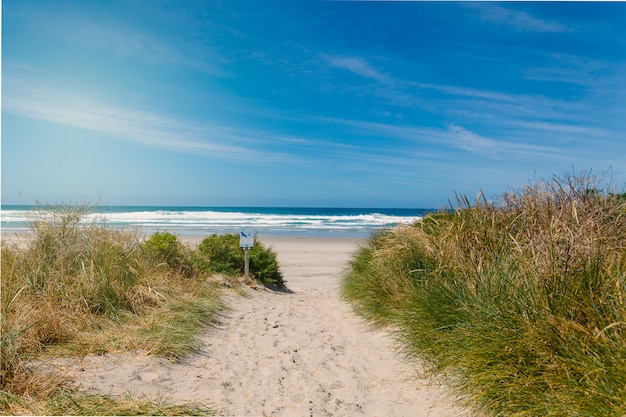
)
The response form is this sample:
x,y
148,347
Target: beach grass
x,y
68,402
79,288
520,303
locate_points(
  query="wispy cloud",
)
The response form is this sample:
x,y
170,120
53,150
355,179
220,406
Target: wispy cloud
x,y
139,126
597,78
358,66
129,42
519,20
453,136
470,141
537,128
465,92
29,99
559,128
247,145
408,92
579,70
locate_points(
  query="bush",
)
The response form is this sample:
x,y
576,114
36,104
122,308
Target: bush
x,y
221,254
520,301
164,248
264,265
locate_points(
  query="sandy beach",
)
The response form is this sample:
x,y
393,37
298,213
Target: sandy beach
x,y
295,353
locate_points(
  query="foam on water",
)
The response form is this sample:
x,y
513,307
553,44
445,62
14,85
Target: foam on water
x,y
200,221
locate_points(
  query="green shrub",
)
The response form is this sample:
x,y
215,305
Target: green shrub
x,y
164,248
264,265
222,254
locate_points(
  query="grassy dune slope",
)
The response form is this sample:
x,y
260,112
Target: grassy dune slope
x,y
520,302
79,288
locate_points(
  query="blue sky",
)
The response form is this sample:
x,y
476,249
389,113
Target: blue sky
x,y
306,103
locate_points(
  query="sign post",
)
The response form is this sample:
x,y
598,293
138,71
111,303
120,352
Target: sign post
x,y
246,242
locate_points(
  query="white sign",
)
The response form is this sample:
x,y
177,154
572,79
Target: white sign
x,y
246,239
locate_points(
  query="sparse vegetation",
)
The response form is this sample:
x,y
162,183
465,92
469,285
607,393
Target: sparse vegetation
x,y
79,288
66,402
519,302
221,254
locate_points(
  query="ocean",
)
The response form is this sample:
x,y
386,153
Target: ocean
x,y
201,221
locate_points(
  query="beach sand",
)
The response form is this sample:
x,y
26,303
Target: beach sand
x,y
296,353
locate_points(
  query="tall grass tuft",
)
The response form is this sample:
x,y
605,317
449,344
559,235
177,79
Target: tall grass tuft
x,y
519,301
83,287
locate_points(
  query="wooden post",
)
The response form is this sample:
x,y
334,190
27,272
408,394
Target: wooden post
x,y
247,267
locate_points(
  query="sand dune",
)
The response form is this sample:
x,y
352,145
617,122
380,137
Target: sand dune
x,y
297,353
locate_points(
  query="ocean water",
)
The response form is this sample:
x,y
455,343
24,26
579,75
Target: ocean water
x,y
201,221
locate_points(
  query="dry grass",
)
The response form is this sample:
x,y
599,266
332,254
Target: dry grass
x,y
87,288
520,301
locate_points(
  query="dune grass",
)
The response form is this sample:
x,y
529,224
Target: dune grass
x,y
79,288
66,402
519,302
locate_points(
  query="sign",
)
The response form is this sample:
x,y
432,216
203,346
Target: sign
x,y
246,239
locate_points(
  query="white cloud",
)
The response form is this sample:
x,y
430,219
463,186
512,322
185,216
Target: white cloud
x,y
559,128
516,19
467,92
470,141
601,80
358,66
590,73
139,126
126,41
406,93
454,136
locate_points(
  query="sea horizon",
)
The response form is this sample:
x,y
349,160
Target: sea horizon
x,y
205,220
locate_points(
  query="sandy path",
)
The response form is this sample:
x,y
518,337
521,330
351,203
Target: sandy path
x,y
289,354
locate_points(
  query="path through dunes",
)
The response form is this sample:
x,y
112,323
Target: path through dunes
x,y
298,353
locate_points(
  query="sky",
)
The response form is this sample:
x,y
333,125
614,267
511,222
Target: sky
x,y
306,103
